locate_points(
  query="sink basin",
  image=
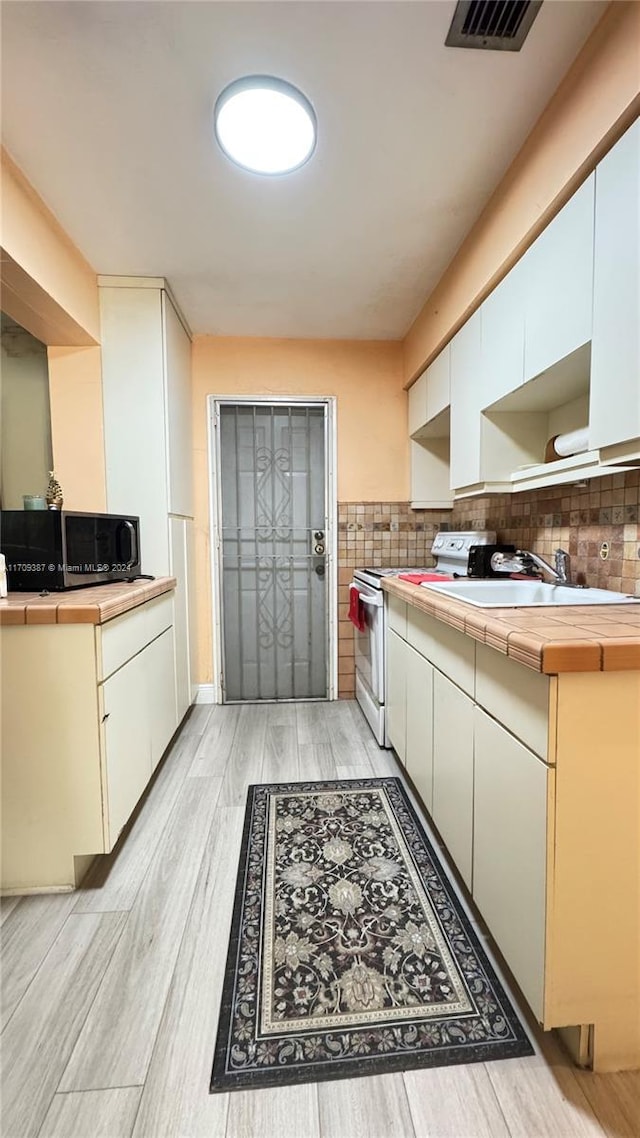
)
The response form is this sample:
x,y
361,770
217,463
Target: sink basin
x,y
525,594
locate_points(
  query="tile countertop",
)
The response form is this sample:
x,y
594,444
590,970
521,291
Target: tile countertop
x,y
81,606
571,638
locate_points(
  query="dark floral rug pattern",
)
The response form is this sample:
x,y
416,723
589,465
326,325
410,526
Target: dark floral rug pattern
x,y
349,951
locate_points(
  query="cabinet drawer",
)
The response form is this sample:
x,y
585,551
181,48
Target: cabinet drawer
x,y
124,636
511,790
397,615
517,696
449,650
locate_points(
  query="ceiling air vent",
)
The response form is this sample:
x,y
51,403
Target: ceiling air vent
x,y
492,25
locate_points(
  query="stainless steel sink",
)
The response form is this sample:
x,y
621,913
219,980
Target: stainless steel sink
x,y
525,594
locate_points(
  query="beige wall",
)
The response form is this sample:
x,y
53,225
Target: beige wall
x,y
75,384
598,98
48,288
47,285
371,422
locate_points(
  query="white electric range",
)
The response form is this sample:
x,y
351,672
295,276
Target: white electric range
x,y
451,554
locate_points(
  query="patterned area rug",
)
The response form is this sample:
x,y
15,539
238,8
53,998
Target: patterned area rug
x,y
349,952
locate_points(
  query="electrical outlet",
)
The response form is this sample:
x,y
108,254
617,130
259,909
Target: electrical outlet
x,y
604,550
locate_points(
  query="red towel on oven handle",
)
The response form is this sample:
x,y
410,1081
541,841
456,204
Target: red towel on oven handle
x,y
356,609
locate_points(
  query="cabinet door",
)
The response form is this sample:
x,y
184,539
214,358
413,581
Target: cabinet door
x,y
438,383
177,359
509,855
158,662
502,368
558,285
134,416
127,742
453,771
614,413
179,569
396,702
419,732
429,395
430,474
466,351
418,404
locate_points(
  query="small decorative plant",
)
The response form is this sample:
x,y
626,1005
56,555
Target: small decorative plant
x,y
54,492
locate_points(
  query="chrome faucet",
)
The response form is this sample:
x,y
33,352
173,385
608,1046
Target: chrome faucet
x,y
525,561
562,566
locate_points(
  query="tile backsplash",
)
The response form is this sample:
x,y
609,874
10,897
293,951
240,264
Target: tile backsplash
x,y
578,518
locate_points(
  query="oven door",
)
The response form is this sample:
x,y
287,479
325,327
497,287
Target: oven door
x,y
369,644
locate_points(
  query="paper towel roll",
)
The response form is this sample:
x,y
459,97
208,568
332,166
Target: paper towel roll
x,y
573,442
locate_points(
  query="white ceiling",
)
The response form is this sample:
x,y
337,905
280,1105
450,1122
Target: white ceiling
x,y
106,106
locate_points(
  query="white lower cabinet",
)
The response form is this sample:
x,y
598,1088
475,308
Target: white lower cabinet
x,y
396,701
532,782
509,850
72,775
127,742
419,724
158,661
139,716
453,770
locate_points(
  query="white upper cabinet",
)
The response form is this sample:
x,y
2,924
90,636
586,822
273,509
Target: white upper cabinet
x,y
615,355
502,368
429,398
438,384
177,371
146,388
418,405
429,468
134,419
558,284
466,399
429,436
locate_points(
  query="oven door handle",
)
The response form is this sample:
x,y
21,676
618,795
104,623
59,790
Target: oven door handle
x,y
375,602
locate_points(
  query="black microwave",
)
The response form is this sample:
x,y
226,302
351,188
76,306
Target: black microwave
x,y
65,549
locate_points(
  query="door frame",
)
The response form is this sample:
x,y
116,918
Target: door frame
x,y
329,402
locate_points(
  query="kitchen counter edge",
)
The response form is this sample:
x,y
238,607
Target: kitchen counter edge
x,y
93,605
567,638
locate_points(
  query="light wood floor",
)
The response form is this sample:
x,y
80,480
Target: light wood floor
x,y
110,996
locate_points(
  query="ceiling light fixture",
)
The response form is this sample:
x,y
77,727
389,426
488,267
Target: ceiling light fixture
x,y
265,125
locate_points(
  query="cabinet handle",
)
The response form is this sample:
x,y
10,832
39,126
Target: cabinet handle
x,y
105,716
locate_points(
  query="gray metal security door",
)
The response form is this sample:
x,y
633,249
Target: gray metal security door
x,y
273,520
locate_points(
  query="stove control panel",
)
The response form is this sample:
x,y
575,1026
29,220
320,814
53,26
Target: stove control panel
x,y
451,550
